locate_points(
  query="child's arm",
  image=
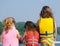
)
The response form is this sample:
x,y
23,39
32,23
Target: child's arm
x,y
55,29
2,36
37,23
55,34
18,35
23,36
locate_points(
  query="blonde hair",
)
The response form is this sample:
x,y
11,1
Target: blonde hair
x,y
8,21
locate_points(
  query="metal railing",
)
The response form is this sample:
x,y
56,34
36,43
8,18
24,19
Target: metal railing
x,y
56,42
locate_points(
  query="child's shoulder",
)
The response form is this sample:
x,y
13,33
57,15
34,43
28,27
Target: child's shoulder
x,y
17,30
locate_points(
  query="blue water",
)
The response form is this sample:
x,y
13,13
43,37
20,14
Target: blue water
x,y
57,38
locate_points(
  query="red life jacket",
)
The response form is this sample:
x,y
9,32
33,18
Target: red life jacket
x,y
32,37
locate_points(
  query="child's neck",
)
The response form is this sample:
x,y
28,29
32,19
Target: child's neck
x,y
8,28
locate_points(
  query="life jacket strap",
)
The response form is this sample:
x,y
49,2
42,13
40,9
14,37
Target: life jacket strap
x,y
33,41
46,34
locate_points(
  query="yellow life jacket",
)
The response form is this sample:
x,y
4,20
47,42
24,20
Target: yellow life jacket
x,y
46,27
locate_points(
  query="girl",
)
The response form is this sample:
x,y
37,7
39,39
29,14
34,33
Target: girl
x,y
31,34
47,27
10,34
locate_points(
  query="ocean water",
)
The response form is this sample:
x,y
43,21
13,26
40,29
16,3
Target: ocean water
x,y
57,39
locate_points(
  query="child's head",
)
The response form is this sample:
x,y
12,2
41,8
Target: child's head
x,y
9,21
29,25
46,12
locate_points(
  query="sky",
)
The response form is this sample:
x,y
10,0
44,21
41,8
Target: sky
x,y
28,10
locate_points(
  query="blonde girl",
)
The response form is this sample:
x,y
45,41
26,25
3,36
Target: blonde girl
x,y
10,35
